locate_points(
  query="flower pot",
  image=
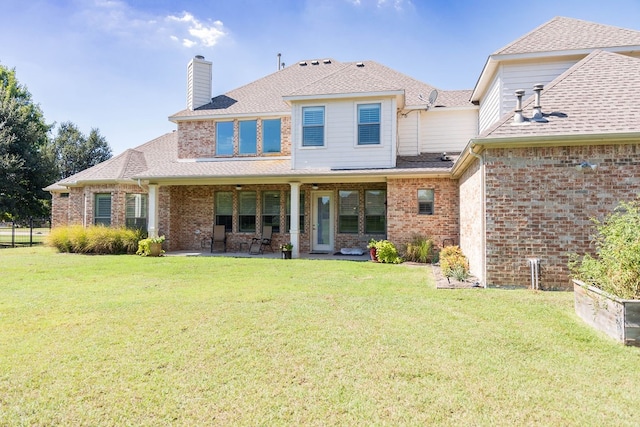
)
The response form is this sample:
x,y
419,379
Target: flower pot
x,y
616,317
286,254
373,254
155,249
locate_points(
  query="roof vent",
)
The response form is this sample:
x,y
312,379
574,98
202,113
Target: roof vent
x,y
326,61
315,62
199,57
302,63
537,108
359,64
518,117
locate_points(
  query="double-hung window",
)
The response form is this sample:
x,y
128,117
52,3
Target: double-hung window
x,y
271,210
425,202
349,207
224,209
248,137
247,211
224,138
368,124
312,126
271,136
374,211
136,211
102,209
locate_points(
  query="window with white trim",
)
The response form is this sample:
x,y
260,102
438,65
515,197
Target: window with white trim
x,y
312,126
102,209
425,201
375,212
136,211
224,209
349,211
247,211
368,124
271,210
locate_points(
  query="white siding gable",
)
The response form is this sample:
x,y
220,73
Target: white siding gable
x,y
408,133
341,150
443,130
490,104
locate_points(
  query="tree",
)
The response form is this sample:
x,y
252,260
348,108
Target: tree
x,y
26,166
75,152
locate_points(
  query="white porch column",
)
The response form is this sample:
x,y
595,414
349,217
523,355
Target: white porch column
x,y
153,210
295,219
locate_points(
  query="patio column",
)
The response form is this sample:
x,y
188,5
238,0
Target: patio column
x,y
153,210
295,219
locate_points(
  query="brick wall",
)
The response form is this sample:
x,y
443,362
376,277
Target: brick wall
x,y
539,206
471,215
197,138
402,210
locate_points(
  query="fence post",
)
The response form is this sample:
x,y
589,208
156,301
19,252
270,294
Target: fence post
x,y
13,234
30,231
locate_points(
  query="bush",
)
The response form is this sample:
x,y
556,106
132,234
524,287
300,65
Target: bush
x,y
453,263
616,267
419,249
94,240
387,252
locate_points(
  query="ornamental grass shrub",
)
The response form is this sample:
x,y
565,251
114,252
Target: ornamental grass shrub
x,y
454,263
419,249
94,240
615,268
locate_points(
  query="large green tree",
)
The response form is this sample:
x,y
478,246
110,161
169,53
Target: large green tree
x,y
74,152
26,165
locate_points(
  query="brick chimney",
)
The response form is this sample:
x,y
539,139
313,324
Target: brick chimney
x,y
198,82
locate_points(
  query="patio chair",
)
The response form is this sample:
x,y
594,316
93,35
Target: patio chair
x,y
219,238
258,244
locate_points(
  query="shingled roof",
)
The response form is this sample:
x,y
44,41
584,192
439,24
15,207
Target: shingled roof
x,y
562,34
320,77
597,96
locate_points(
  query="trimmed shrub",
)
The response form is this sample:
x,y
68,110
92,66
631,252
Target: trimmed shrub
x,y
94,240
453,263
387,252
616,267
420,249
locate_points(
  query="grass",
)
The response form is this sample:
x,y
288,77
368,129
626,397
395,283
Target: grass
x,y
125,340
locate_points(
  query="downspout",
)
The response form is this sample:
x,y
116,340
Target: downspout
x,y
483,196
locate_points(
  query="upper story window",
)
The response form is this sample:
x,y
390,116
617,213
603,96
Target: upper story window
x,y
102,209
271,136
136,211
248,137
312,126
368,124
425,201
224,138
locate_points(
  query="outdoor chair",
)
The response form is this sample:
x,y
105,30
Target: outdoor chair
x,y
258,244
219,238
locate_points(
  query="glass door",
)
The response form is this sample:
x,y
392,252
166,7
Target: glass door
x,y
322,221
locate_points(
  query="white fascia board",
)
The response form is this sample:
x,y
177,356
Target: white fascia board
x,y
442,109
343,95
176,119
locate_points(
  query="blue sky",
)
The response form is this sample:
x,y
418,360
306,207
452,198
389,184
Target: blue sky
x,y
120,65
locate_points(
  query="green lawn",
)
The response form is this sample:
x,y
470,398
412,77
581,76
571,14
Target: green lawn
x,y
190,341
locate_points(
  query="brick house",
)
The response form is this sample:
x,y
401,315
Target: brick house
x,y
356,150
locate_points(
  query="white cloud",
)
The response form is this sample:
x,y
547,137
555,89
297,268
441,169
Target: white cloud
x,y
207,34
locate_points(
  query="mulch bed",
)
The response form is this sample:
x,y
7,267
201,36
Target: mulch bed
x,y
443,283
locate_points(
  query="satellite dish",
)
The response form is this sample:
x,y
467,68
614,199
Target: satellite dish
x,y
433,96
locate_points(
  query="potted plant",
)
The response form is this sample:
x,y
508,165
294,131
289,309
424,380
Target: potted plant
x,y
151,246
372,250
607,286
286,249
